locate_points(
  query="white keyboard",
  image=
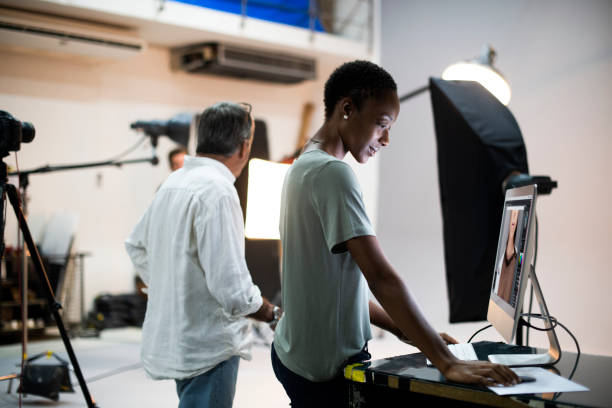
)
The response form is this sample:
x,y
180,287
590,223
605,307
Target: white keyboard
x,y
463,351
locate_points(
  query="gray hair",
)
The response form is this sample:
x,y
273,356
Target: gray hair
x,y
222,128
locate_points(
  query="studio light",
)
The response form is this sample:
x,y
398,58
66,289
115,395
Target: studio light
x,y
481,70
263,199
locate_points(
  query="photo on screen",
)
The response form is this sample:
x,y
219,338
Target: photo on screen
x,y
510,254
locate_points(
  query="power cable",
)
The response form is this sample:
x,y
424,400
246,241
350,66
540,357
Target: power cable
x,y
130,150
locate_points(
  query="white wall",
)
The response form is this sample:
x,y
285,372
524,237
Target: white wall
x,y
557,56
82,110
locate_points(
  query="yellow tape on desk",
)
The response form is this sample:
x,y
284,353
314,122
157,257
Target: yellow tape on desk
x,y
353,372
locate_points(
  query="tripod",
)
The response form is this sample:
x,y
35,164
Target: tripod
x,y
54,306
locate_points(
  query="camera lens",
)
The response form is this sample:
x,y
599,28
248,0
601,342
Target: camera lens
x,y
27,132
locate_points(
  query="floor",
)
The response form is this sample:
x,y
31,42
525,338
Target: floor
x,y
115,378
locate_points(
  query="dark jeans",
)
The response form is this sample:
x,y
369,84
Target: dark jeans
x,y
305,393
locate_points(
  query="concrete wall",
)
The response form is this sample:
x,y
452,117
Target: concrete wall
x,y
557,56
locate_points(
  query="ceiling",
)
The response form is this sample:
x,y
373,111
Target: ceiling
x,y
171,24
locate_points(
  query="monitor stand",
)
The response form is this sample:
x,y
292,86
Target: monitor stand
x,y
534,360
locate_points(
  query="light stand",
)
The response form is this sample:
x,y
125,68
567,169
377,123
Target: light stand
x,y
12,133
54,306
414,93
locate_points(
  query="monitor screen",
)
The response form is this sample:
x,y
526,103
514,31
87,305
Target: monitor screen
x,y
513,260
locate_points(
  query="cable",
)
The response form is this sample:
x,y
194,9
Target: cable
x,y
558,394
555,322
130,150
21,283
110,373
478,331
578,352
23,339
539,316
20,279
17,166
577,349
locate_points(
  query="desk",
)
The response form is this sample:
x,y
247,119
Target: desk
x,y
407,381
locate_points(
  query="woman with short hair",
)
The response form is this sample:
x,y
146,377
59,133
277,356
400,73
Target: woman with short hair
x,y
331,254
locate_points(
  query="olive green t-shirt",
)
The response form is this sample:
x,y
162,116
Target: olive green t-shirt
x,y
325,296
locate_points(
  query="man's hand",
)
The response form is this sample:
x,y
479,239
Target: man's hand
x,y
480,373
277,313
267,314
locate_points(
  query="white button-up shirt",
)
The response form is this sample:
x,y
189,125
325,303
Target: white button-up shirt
x,y
188,248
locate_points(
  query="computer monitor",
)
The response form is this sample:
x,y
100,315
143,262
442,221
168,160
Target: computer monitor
x,y
513,268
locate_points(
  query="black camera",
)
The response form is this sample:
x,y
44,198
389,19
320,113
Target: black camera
x,y
13,132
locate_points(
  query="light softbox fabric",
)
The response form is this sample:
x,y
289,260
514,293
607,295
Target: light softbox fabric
x,y
479,144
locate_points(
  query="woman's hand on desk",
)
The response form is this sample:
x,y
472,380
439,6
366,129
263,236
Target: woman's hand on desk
x,y
481,373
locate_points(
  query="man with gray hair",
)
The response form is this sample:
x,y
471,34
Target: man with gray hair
x,y
188,248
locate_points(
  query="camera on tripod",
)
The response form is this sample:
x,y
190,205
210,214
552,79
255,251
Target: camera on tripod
x,y
13,132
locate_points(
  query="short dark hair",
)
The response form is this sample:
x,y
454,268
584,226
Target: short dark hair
x,y
358,80
173,152
222,127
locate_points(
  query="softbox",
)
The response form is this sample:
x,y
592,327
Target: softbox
x,y
479,145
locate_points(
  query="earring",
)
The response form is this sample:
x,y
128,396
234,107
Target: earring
x,y
345,117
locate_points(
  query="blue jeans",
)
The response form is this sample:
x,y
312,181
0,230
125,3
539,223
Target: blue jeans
x,y
215,388
305,393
